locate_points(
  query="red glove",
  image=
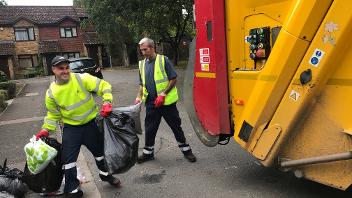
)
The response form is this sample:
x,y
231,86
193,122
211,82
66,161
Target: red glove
x,y
159,101
106,109
42,133
137,101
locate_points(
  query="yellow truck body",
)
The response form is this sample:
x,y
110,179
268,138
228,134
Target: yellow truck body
x,y
292,108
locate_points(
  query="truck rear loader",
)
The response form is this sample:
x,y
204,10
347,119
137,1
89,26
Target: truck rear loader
x,y
276,76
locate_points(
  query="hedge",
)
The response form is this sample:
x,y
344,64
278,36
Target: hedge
x,y
10,87
3,77
3,104
4,92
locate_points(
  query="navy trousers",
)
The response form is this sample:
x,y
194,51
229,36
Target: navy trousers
x,y
152,122
72,139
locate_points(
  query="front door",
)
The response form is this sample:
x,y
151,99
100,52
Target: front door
x,y
93,53
105,57
4,65
49,58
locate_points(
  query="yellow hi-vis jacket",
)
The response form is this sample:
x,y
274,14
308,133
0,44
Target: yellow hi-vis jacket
x,y
160,78
72,102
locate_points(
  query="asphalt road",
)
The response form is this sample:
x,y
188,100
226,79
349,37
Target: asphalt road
x,y
221,171
22,119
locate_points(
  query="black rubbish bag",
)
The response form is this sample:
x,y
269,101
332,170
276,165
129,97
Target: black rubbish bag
x,y
49,180
120,141
134,112
4,194
13,186
10,181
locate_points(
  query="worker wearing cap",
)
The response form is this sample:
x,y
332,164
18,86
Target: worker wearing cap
x,y
69,100
157,89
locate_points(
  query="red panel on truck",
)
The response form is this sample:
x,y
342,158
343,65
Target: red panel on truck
x,y
211,79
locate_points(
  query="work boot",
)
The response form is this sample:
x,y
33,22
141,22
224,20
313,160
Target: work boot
x,y
77,194
110,179
190,156
145,158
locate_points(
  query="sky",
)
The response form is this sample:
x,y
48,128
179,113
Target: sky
x,y
40,2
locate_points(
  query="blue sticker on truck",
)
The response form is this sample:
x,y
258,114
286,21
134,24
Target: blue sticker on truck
x,y
316,57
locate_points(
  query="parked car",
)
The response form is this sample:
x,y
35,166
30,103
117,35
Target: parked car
x,y
85,65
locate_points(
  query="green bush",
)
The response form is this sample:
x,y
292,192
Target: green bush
x,y
3,104
3,77
11,92
4,92
39,70
33,72
10,87
4,85
29,73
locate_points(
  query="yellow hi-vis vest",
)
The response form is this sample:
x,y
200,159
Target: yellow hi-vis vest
x,y
72,102
160,78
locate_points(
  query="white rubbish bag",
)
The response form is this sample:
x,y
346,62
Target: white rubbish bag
x,y
39,155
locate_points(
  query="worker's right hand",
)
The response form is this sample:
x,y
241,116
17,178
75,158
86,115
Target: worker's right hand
x,y
137,101
42,133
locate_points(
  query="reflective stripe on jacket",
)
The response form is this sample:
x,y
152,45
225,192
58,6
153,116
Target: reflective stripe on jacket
x,y
72,102
160,78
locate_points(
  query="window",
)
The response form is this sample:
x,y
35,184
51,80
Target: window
x,y
68,32
71,54
83,18
27,61
24,34
82,64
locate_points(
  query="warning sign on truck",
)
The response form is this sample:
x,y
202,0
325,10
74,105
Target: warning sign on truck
x,y
205,67
204,52
294,95
204,59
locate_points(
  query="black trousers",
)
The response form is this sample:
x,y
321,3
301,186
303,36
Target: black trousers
x,y
72,139
152,122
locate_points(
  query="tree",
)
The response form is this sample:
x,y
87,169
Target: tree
x,y
104,15
78,3
167,20
3,3
125,21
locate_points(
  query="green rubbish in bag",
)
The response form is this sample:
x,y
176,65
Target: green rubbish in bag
x,y
39,155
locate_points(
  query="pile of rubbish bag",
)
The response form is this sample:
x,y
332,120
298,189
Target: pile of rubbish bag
x,y
10,182
50,178
42,176
120,138
43,170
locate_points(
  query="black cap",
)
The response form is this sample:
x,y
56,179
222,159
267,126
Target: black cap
x,y
59,59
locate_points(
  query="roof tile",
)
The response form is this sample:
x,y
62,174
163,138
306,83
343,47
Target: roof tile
x,y
7,48
39,14
91,38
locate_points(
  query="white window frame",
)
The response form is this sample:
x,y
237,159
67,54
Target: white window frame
x,y
71,54
68,32
29,33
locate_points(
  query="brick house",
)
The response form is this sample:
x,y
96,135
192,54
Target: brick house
x,y
30,36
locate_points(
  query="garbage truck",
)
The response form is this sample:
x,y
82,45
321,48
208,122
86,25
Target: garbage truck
x,y
275,76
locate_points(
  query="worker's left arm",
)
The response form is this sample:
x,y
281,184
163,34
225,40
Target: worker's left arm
x,y
97,85
171,75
